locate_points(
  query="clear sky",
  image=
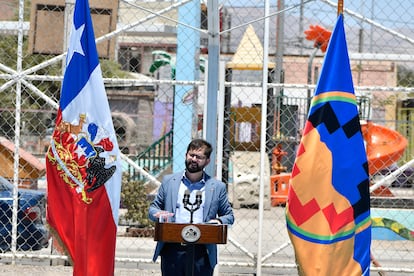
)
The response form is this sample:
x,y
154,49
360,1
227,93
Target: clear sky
x,y
395,13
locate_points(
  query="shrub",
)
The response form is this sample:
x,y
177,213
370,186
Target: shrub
x,y
134,199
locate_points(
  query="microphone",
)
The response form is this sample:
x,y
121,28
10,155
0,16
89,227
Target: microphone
x,y
198,198
192,207
186,198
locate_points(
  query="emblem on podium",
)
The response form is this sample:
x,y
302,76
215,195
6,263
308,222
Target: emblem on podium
x,y
191,233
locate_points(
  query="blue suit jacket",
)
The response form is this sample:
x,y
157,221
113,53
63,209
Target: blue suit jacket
x,y
216,205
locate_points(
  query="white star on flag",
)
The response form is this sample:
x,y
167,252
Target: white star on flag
x,y
75,41
80,151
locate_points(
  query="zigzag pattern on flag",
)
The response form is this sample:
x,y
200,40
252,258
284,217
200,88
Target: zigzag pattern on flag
x,y
325,118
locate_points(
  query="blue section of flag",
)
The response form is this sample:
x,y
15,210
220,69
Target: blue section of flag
x,y
333,77
79,66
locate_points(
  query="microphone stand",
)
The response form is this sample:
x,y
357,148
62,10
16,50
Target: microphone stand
x,y
191,207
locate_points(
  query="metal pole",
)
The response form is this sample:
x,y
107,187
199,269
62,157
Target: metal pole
x,y
310,62
220,122
371,36
263,153
17,127
212,81
387,181
279,46
301,11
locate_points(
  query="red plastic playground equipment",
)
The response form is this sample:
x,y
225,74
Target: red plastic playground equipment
x,y
384,147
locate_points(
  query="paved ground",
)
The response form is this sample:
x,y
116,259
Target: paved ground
x,y
389,252
30,270
19,270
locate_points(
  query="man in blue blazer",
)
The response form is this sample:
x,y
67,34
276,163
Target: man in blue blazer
x,y
214,208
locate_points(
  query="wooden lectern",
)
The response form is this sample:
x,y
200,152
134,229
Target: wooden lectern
x,y
191,234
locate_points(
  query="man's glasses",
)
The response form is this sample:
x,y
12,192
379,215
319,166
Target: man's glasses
x,y
196,156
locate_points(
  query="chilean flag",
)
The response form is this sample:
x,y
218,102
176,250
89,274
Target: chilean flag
x,y
83,160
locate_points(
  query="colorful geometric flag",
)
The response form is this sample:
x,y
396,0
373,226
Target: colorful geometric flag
x,y
83,160
328,209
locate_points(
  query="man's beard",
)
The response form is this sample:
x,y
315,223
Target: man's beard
x,y
193,167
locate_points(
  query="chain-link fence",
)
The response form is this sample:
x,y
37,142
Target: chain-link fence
x,y
154,59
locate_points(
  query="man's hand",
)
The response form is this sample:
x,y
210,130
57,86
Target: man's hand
x,y
214,221
163,216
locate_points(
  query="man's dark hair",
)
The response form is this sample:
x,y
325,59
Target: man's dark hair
x,y
198,144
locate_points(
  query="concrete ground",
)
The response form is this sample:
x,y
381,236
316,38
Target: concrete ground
x,y
386,251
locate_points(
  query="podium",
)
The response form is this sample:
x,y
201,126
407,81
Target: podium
x,y
190,234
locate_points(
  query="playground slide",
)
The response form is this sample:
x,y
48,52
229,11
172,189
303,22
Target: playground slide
x,y
384,147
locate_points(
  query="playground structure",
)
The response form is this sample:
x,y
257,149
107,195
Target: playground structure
x,y
244,185
241,165
384,147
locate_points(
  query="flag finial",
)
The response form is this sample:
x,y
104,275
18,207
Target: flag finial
x,y
340,7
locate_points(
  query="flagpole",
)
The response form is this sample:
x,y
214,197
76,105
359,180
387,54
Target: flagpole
x,y
263,155
340,7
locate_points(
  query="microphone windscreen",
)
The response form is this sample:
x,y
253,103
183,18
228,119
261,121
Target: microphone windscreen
x,y
186,197
199,195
